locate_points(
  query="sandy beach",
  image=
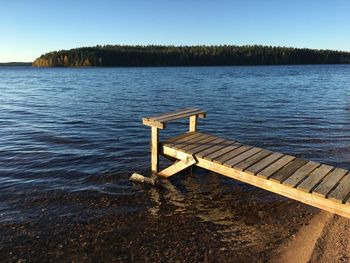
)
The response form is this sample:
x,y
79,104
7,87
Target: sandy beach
x,y
324,239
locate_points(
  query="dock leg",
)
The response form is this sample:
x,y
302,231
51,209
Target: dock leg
x,y
193,123
154,149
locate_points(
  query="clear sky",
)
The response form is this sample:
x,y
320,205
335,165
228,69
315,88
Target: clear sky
x,y
31,28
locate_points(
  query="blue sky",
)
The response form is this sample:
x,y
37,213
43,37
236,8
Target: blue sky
x,y
31,28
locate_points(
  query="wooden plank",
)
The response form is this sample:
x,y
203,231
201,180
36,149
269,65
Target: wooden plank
x,y
252,160
223,151
288,170
183,139
274,167
176,138
348,202
331,180
174,114
232,154
180,143
301,173
203,146
193,144
293,193
199,113
154,149
153,124
259,166
159,120
177,167
193,124
310,182
235,160
341,192
215,148
170,113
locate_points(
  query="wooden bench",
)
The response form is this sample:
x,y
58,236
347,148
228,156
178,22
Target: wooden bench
x,y
159,121
313,183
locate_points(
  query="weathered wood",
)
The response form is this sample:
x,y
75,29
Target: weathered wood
x,y
154,149
262,164
243,156
214,148
329,182
202,145
310,182
287,170
341,192
252,160
199,113
232,154
178,166
275,187
274,167
170,113
319,185
139,178
187,140
301,173
223,151
194,144
193,124
209,149
151,123
160,120
177,138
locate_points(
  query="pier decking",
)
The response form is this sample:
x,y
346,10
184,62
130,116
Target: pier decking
x,y
313,183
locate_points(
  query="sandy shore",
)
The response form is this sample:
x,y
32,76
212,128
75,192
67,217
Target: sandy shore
x,y
324,239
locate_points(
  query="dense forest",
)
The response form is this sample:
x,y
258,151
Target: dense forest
x,y
131,56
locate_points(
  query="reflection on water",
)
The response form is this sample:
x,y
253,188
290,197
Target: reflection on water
x,y
70,138
239,217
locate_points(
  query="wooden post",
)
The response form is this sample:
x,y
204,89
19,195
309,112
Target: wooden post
x,y
193,123
154,149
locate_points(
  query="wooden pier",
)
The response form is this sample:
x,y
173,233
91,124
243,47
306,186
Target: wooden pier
x,y
312,183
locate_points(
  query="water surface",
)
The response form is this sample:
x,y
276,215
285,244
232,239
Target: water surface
x,y
70,138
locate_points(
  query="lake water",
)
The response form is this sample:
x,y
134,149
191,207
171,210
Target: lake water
x,y
70,138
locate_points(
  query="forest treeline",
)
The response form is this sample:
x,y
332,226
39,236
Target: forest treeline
x,y
152,55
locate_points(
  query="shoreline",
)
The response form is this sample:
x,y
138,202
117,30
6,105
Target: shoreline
x,y
300,246
322,240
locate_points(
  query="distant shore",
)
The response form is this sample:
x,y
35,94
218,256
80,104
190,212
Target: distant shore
x,y
16,64
154,55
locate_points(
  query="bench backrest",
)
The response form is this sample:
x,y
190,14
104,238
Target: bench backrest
x,y
160,120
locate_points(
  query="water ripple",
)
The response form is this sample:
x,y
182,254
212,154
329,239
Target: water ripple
x,y
79,131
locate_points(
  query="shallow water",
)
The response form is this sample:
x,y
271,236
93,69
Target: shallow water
x,y
70,138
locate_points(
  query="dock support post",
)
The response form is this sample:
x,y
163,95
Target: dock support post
x,y
154,149
193,123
